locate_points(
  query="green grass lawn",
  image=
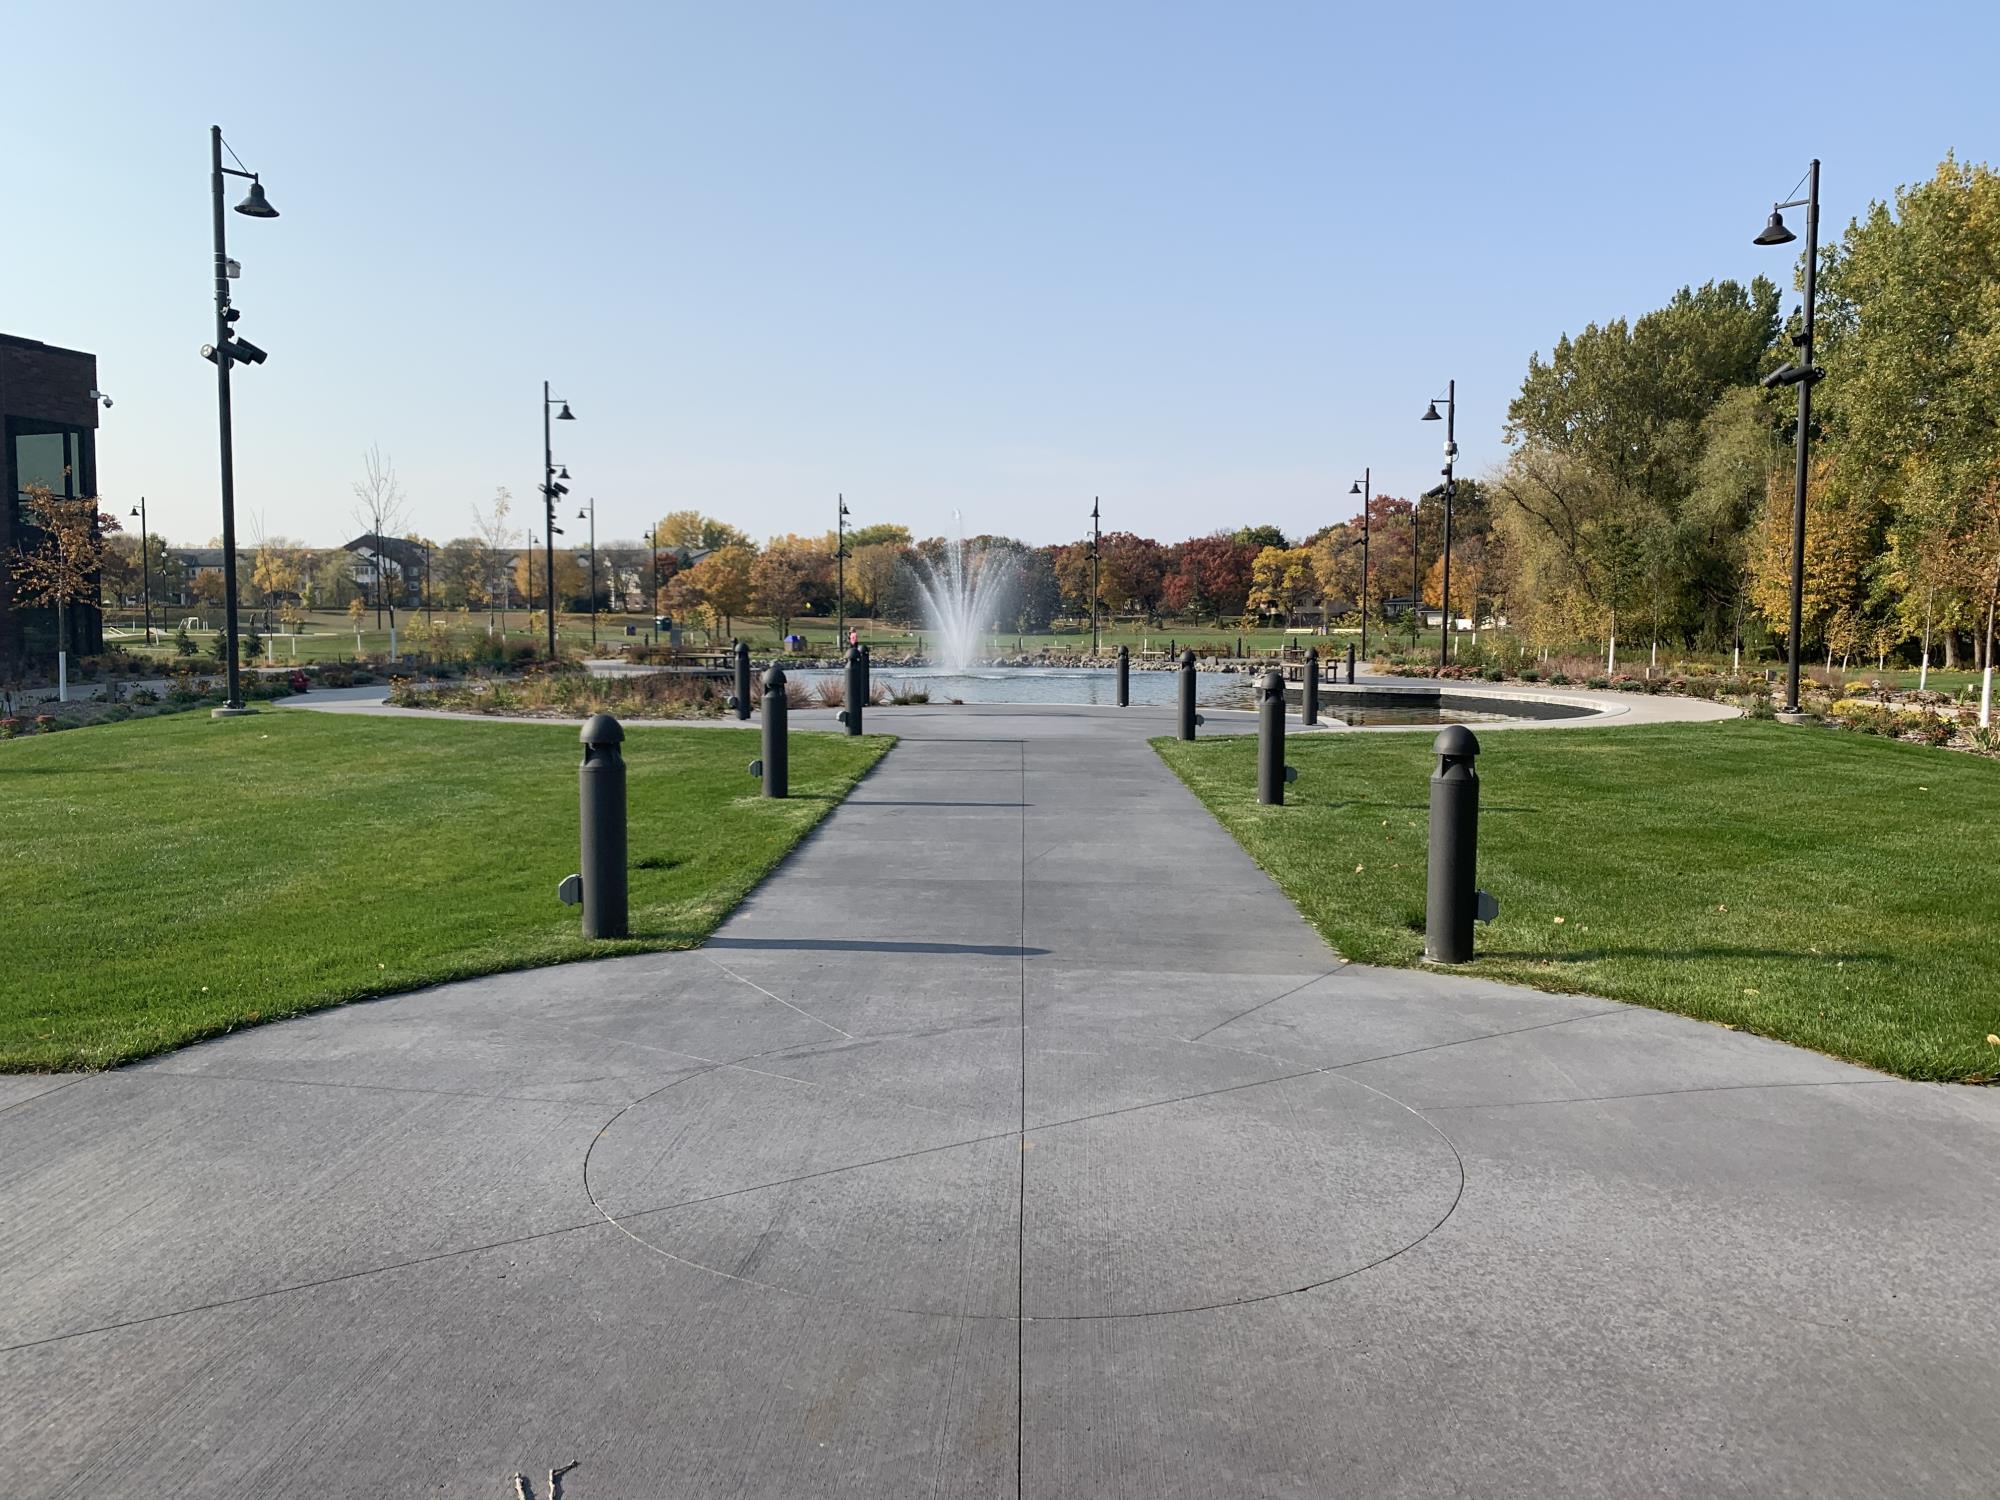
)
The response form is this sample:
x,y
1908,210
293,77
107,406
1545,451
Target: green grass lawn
x,y
169,879
1828,889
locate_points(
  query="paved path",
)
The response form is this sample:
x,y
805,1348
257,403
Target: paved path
x,y
1017,1139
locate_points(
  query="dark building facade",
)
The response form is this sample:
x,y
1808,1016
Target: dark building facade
x,y
48,435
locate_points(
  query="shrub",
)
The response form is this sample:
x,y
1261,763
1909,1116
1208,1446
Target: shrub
x,y
10,727
1558,679
831,692
183,642
1597,681
1530,674
144,695
252,644
1492,674
222,647
46,724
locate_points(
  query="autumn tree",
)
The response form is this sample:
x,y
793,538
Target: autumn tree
x,y
691,531
59,566
871,570
1282,580
1208,576
721,581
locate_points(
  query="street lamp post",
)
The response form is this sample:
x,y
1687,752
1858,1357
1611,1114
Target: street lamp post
x,y
1450,399
1805,375
1416,573
653,543
840,564
591,511
1364,487
228,350
550,490
1096,561
427,582
145,569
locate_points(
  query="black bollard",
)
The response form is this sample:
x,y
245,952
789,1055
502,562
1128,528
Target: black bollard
x,y
742,680
1124,677
776,764
867,675
1453,897
857,690
601,796
1309,692
1188,716
1271,739
1350,664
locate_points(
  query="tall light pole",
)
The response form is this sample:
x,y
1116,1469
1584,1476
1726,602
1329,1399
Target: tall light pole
x,y
1416,573
427,582
228,350
1805,375
1096,562
840,562
591,511
653,542
550,489
1450,399
1365,488
145,568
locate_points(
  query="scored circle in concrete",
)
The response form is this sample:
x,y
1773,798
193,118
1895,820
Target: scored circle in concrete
x,y
1154,1176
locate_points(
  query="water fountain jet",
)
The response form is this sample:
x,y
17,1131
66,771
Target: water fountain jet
x,y
962,594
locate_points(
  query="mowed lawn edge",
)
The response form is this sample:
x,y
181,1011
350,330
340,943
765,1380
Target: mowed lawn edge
x,y
171,879
1830,890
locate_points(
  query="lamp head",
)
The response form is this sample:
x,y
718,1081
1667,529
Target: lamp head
x,y
565,415
255,205
1775,232
1431,413
563,473
135,510
1356,489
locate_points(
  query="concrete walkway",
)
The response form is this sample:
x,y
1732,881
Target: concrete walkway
x,y
1016,1139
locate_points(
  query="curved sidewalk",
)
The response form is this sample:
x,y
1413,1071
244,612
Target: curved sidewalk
x,y
1016,1139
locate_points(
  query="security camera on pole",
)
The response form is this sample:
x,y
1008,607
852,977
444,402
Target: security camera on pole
x,y
227,351
551,490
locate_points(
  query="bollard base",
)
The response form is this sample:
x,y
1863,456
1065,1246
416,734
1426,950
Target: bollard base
x,y
1783,716
231,713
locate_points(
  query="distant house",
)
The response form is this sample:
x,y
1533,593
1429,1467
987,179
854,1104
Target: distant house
x,y
204,563
396,563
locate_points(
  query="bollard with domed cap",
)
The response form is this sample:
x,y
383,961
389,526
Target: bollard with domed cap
x,y
601,797
1189,718
1124,677
1309,689
1452,893
1272,773
857,690
740,699
776,764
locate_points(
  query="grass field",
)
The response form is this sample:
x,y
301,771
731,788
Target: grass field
x,y
1833,890
169,879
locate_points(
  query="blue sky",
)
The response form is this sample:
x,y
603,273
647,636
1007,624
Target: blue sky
x,y
1204,260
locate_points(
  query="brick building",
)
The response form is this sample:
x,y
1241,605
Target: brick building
x,y
48,435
